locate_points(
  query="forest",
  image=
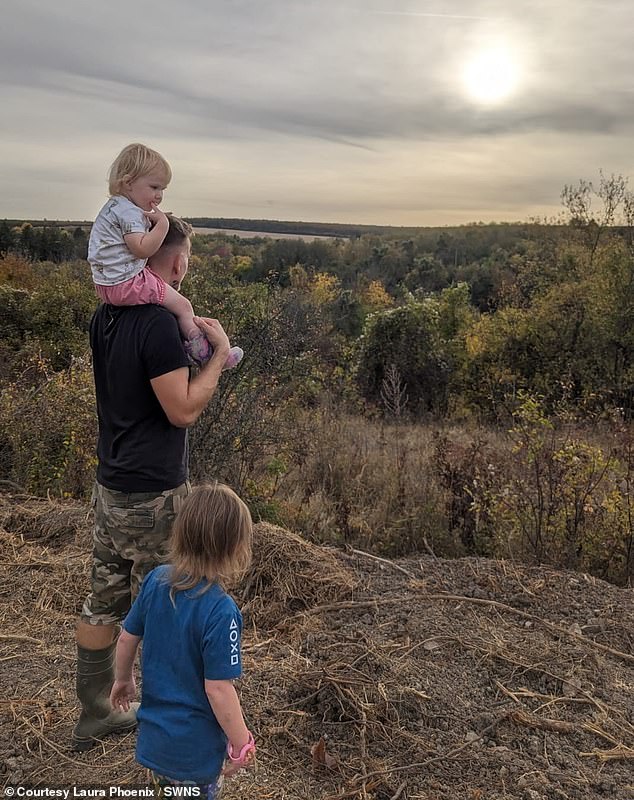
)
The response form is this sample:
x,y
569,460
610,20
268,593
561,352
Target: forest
x,y
455,391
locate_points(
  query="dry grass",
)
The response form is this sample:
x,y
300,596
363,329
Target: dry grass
x,y
369,484
288,574
44,520
382,486
363,680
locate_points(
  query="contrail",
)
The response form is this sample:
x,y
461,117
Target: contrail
x,y
423,14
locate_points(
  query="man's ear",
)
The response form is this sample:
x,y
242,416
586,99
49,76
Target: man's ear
x,y
179,265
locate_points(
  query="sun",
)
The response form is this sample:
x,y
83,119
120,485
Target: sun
x,y
491,76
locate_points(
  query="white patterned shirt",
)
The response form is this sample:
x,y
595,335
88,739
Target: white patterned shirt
x,y
110,259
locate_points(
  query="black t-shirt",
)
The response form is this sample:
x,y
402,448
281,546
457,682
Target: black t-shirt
x,y
139,450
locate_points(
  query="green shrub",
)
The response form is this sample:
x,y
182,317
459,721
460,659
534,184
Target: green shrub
x,y
14,316
59,315
48,429
557,497
409,338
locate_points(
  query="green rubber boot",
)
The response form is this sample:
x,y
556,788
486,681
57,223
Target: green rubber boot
x,y
95,676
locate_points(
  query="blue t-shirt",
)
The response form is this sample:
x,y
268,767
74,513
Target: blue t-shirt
x,y
199,639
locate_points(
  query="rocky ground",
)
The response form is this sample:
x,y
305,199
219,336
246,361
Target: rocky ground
x,y
364,679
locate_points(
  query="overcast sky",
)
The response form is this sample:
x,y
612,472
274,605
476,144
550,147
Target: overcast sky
x,y
375,111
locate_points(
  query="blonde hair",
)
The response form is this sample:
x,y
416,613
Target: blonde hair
x,y
134,161
211,538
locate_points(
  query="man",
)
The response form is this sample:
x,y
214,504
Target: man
x,y
145,403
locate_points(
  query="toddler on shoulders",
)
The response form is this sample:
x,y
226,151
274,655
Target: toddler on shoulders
x,y
128,230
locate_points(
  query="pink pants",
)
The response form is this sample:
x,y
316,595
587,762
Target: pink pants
x,y
146,287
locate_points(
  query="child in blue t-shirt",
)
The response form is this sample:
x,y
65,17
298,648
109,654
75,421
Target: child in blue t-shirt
x,y
190,718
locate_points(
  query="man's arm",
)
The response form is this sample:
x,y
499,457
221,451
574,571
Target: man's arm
x,y
183,400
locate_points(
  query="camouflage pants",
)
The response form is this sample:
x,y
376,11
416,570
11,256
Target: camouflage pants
x,y
130,537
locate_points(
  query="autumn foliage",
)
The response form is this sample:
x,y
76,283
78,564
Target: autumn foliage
x,y
465,390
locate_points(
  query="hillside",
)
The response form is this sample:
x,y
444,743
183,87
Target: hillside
x,y
364,679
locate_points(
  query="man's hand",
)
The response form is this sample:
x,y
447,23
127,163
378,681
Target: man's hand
x,y
183,400
122,693
215,334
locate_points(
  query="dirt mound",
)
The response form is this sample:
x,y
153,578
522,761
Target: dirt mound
x,y
364,679
289,574
38,518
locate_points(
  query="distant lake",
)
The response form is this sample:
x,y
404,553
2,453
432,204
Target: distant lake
x,y
267,234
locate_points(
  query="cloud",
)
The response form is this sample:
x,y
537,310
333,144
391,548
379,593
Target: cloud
x,y
335,81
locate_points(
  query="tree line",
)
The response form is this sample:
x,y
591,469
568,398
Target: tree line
x,y
43,242
358,351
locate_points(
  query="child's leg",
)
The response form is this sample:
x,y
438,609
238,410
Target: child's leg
x,y
147,287
196,343
182,309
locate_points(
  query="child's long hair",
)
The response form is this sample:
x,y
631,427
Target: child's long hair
x,y
211,538
132,162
